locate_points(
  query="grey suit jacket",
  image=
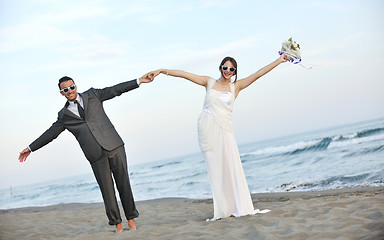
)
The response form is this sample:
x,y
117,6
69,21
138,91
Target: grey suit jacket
x,y
96,131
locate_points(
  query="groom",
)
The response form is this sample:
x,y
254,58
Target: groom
x,y
84,116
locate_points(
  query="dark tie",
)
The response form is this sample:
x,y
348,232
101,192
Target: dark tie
x,y
80,109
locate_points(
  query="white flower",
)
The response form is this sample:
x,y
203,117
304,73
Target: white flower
x,y
294,44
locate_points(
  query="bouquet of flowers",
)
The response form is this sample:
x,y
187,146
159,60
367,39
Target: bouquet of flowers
x,y
292,50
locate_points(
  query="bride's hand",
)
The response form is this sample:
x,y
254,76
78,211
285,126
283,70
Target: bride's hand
x,y
284,57
154,74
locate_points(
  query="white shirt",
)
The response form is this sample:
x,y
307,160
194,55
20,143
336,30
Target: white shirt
x,y
73,106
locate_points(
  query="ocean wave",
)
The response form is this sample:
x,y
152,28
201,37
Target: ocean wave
x,y
296,148
334,182
370,132
360,134
320,144
365,151
356,140
282,149
169,178
166,164
190,183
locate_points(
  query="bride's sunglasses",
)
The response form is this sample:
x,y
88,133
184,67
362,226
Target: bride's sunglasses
x,y
66,89
225,68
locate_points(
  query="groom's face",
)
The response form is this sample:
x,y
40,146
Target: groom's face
x,y
71,95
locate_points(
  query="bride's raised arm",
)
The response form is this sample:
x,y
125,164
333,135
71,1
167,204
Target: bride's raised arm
x,y
200,80
245,82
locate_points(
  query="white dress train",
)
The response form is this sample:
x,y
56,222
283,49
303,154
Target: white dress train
x,y
231,196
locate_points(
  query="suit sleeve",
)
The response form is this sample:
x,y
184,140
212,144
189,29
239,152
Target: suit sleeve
x,y
116,90
48,136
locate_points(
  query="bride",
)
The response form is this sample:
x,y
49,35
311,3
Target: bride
x,y
231,196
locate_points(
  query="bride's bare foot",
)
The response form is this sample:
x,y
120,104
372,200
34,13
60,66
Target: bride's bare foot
x,y
119,228
131,224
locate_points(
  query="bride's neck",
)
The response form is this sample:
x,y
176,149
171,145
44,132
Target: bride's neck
x,y
223,80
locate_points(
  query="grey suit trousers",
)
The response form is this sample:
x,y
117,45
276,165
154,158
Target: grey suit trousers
x,y
113,164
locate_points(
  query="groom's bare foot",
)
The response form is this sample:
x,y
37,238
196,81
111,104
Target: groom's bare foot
x,y
119,228
131,224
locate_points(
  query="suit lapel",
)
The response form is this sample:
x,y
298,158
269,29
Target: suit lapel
x,y
85,102
69,113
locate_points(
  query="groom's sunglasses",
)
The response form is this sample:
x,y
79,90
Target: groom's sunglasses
x,y
225,68
66,89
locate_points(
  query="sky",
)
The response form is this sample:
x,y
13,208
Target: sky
x,y
100,43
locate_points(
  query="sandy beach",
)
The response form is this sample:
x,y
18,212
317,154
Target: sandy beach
x,y
332,214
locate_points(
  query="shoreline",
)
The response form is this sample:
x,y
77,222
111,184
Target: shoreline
x,y
266,196
348,213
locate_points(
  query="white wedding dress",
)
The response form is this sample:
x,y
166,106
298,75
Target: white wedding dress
x,y
231,196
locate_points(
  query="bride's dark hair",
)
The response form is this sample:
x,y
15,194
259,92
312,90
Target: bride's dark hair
x,y
233,61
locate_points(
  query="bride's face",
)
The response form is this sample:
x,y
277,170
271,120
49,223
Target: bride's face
x,y
227,70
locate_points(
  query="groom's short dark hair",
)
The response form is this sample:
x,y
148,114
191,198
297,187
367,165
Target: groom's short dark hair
x,y
64,79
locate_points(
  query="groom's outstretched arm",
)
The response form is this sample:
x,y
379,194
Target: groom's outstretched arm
x,y
49,135
118,89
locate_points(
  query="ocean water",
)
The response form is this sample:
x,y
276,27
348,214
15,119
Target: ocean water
x,y
339,157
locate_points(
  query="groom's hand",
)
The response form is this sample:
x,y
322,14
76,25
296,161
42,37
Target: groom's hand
x,y
24,154
146,78
154,74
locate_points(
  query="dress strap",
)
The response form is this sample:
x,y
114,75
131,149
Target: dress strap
x,y
210,83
